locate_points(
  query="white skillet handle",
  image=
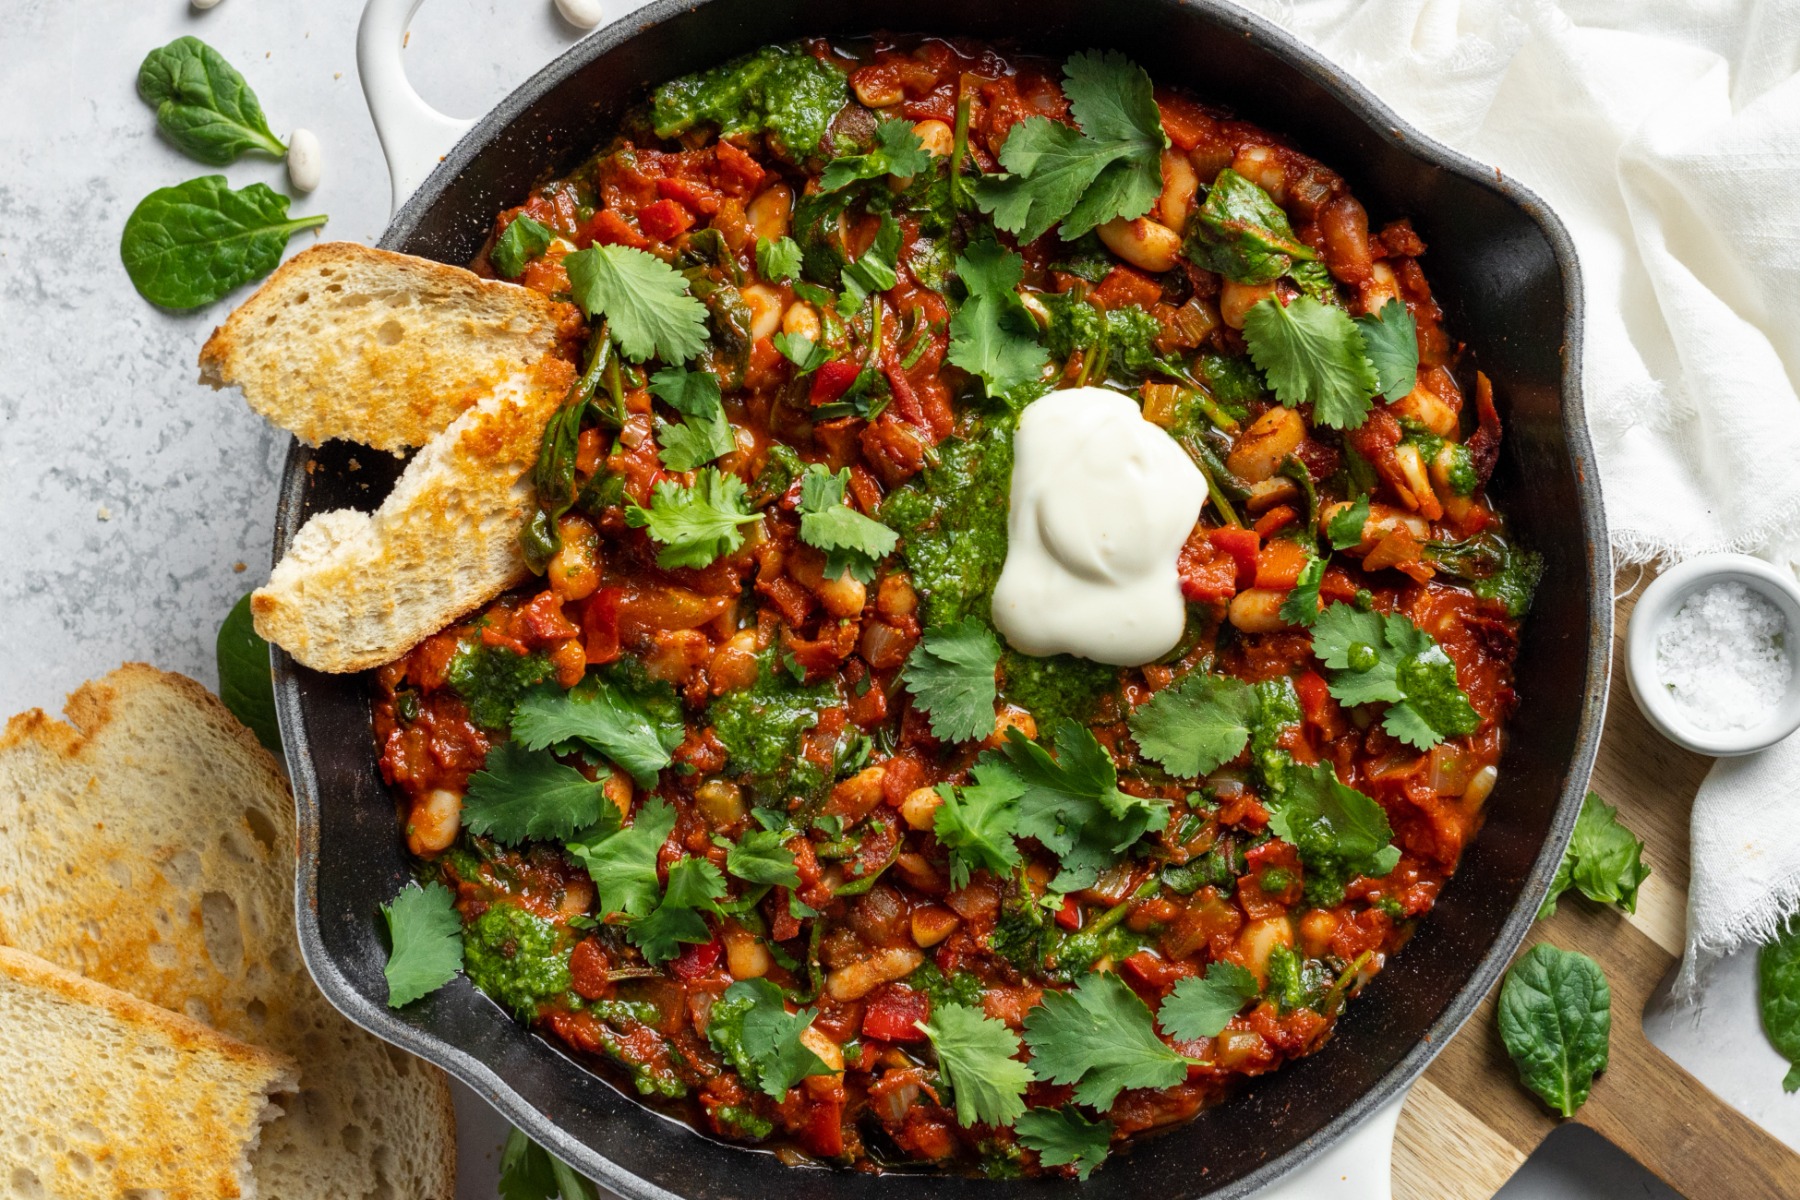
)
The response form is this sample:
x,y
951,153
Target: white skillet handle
x,y
414,136
1361,1167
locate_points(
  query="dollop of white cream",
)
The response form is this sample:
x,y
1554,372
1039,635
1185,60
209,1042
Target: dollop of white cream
x,y
1102,502
305,160
583,14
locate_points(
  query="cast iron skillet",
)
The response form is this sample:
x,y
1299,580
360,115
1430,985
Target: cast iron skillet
x,y
1505,272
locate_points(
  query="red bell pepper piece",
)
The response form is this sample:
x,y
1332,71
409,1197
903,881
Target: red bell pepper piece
x,y
1242,545
832,380
697,959
894,1013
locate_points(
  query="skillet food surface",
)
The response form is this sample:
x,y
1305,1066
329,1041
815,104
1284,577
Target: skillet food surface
x,y
773,794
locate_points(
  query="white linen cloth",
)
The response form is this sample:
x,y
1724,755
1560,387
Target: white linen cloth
x,y
1666,135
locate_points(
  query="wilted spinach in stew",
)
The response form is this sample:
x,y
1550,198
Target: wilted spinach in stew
x,y
743,794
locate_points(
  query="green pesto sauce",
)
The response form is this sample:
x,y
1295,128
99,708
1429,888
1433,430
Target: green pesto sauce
x,y
762,727
517,958
952,523
960,987
491,679
780,90
1055,687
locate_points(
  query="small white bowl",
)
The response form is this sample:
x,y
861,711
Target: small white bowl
x,y
1660,601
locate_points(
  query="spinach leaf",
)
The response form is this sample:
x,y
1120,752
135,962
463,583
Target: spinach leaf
x,y
1241,233
244,681
1556,1020
530,1172
203,105
1778,990
187,245
1604,860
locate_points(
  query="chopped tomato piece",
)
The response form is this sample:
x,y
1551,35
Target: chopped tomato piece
x,y
1279,564
893,1014
832,380
665,220
1242,545
1069,915
697,959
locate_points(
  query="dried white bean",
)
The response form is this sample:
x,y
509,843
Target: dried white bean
x,y
583,14
304,160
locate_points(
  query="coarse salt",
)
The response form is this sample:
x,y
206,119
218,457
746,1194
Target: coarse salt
x,y
1725,657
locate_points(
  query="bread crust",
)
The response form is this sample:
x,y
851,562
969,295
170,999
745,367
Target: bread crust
x,y
347,341
149,843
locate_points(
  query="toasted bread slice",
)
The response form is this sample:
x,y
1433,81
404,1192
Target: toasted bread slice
x,y
356,590
107,1095
149,843
345,341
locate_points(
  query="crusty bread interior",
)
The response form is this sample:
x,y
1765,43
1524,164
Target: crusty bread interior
x,y
149,844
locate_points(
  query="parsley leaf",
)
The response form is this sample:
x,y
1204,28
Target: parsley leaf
x,y
951,675
896,150
778,261
426,935
1312,354
1556,1020
695,524
523,241
622,862
1111,168
1604,860
645,301
1062,1136
606,716
1240,232
761,856
1391,340
1345,528
522,793
1201,1006
1197,725
1099,1036
806,355
695,886
976,821
875,270
1338,830
1302,604
1073,805
976,1055
752,1028
851,541
991,334
1388,658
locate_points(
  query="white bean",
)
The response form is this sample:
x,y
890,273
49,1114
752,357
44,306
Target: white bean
x,y
583,14
203,5
304,159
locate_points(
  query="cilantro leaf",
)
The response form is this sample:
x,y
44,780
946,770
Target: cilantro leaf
x,y
761,856
426,936
1604,860
604,715
695,887
1062,1136
691,393
851,541
695,442
1201,1006
976,821
1337,830
1312,354
523,241
778,261
1111,168
1391,340
752,1028
695,524
806,355
1197,725
1345,528
645,301
1302,604
1240,232
976,1055
875,270
896,150
1073,805
1388,658
622,861
522,793
951,675
991,334
1099,1036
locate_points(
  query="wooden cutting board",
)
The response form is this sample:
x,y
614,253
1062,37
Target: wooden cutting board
x,y
1469,1124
